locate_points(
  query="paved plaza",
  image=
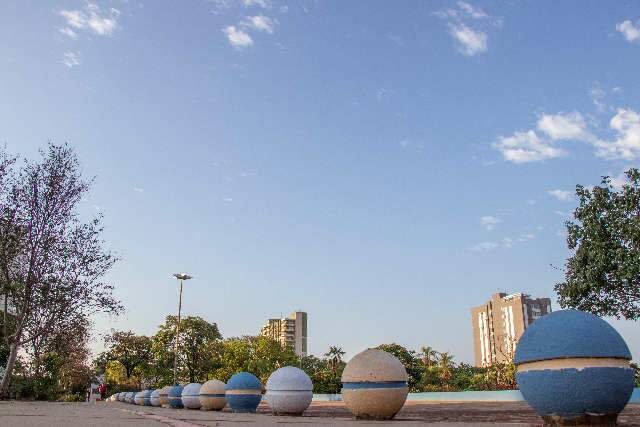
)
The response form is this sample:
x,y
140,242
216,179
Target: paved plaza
x,y
51,414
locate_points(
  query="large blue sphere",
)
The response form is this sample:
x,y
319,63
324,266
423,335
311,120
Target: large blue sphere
x,y
146,397
574,367
243,392
175,397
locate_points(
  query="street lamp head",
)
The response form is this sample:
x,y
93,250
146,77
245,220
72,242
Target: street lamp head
x,y
182,276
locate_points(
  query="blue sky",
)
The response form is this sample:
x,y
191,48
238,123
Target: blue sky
x,y
384,166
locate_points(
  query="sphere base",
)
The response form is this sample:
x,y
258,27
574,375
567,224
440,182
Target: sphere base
x,y
582,420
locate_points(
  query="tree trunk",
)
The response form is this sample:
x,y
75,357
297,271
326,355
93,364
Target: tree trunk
x,y
11,361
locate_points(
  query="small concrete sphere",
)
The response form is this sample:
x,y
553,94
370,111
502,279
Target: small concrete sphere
x,y
131,396
139,398
289,391
164,396
243,392
155,397
121,396
175,397
212,396
191,396
374,385
146,397
574,368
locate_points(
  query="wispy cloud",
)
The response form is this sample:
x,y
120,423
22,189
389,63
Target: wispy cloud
x,y
138,189
93,19
526,147
489,222
529,146
484,246
469,26
265,4
562,195
570,126
71,59
259,23
238,38
626,144
470,41
68,32
630,31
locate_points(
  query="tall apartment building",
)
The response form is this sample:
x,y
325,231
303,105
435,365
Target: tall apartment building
x,y
499,324
291,331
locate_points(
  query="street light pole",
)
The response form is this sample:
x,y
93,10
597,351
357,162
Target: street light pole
x,y
182,277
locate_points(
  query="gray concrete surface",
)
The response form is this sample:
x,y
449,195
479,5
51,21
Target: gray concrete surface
x,y
36,414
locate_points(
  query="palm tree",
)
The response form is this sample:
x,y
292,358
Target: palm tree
x,y
446,367
334,355
429,355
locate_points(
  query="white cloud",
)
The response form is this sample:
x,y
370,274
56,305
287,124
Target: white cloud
x,y
228,199
570,126
484,246
93,19
626,145
471,11
259,23
562,195
470,42
489,222
469,26
526,236
138,189
525,147
265,4
629,31
238,38
68,32
71,59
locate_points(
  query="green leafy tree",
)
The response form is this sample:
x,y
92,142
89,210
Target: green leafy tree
x,y
132,352
409,359
256,354
334,356
198,348
603,274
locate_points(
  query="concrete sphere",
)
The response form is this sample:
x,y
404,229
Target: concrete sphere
x,y
164,396
191,396
212,395
138,398
132,397
289,391
243,392
155,397
573,368
175,397
128,397
121,396
146,396
374,385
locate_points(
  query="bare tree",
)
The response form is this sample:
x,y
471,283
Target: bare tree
x,y
51,263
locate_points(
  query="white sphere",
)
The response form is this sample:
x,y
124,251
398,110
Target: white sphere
x,y
289,391
191,396
212,395
155,397
139,398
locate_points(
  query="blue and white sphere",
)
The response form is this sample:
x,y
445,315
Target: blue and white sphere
x,y
573,367
139,398
289,391
191,396
155,397
374,385
243,392
119,397
212,396
130,397
146,396
175,397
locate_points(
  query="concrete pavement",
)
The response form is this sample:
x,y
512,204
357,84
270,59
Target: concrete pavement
x,y
36,414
